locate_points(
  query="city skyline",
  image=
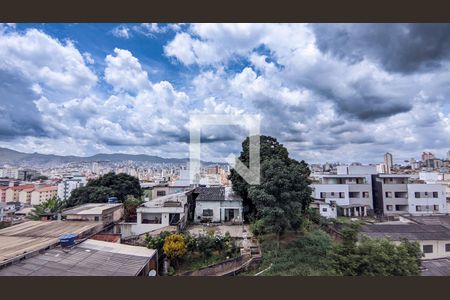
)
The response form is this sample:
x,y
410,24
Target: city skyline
x,y
328,92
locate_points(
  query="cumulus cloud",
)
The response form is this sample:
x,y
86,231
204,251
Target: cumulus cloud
x,y
329,92
40,58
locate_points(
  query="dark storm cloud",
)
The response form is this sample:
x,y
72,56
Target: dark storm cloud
x,y
18,114
402,48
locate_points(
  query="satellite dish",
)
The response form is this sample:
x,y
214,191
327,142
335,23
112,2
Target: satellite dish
x,y
152,273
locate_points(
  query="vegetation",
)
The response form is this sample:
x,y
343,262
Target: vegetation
x,y
174,247
199,250
130,205
375,257
52,206
315,253
277,204
109,185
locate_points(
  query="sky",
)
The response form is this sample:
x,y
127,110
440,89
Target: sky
x,y
328,92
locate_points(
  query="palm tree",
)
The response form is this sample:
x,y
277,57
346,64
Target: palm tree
x,y
52,206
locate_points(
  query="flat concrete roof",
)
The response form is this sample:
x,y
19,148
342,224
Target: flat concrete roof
x,y
31,236
89,258
91,209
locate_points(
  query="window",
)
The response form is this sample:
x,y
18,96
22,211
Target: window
x,y
418,208
341,195
96,218
426,193
388,194
435,194
365,194
417,194
354,194
332,193
208,213
389,207
436,207
322,195
427,248
324,209
447,247
160,193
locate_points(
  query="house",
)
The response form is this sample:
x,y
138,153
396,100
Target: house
x,y
163,212
96,212
216,205
434,240
325,209
88,258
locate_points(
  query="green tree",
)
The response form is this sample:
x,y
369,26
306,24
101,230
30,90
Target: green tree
x,y
284,193
89,194
269,148
122,184
375,257
51,206
109,185
130,205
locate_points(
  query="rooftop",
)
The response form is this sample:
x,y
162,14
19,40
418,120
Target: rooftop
x,y
431,220
21,239
91,209
413,232
89,258
216,194
436,267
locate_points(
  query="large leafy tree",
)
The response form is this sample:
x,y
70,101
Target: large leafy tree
x,y
284,193
122,184
109,185
89,194
269,148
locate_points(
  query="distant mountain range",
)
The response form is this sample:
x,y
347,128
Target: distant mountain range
x,y
8,156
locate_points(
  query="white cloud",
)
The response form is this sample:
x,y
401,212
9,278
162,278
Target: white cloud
x,y
122,31
124,72
47,61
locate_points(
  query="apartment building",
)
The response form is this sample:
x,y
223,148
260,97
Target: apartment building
x,y
351,193
3,193
396,194
68,184
43,194
25,195
12,193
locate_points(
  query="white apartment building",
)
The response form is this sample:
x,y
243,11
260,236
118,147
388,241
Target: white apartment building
x,y
426,199
68,184
398,194
352,194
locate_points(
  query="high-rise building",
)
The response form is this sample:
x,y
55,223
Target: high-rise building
x,y
448,155
427,156
388,161
68,184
